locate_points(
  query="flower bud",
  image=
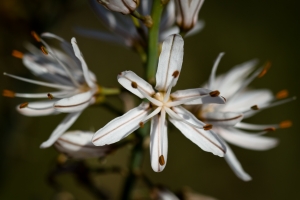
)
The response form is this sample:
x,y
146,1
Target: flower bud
x,y
125,6
77,144
187,13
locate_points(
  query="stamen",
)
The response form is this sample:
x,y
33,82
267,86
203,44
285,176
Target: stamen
x,y
207,127
175,74
183,101
265,70
8,93
167,94
44,50
215,93
270,129
155,112
212,77
152,100
161,160
285,124
134,84
17,54
141,124
255,107
23,105
50,96
282,94
35,36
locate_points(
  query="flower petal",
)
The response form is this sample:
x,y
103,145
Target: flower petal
x,y
61,128
121,126
159,142
223,118
235,165
196,92
75,103
38,108
127,78
170,61
246,140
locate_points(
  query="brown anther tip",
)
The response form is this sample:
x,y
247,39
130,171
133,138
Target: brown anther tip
x,y
141,124
161,160
175,74
35,36
265,70
215,93
134,84
285,124
255,107
23,105
44,50
50,96
8,93
207,127
270,129
17,54
282,94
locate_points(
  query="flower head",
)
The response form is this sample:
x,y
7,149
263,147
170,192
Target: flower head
x,y
67,72
241,103
162,102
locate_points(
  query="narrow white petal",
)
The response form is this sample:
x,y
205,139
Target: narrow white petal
x,y
256,127
75,103
202,93
38,108
61,128
212,77
128,78
170,61
59,94
223,118
121,126
235,165
159,142
246,140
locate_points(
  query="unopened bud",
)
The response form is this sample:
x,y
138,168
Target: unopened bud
x,y
125,6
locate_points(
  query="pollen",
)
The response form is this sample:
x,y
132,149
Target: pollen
x,y
134,84
50,96
255,107
207,127
265,70
161,160
215,93
44,50
141,124
8,93
270,129
35,36
285,124
23,105
17,54
175,74
282,94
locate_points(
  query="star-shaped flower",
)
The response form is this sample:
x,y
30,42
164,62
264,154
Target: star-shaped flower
x,y
162,102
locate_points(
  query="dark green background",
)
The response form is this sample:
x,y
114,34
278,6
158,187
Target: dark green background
x,y
268,30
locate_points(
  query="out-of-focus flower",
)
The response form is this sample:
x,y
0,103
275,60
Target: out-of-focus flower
x,y
162,193
242,103
125,32
125,6
78,144
77,88
187,13
188,194
160,103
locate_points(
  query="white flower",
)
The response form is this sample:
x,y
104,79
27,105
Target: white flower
x,y
187,13
161,102
124,31
66,72
123,6
77,144
241,103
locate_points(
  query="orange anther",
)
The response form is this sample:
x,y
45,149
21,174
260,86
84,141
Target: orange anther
x,y
285,124
17,54
282,94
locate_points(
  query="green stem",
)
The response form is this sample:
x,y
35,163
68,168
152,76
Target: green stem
x,y
153,41
110,91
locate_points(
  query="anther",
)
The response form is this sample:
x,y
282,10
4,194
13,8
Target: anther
x,y
17,54
23,105
215,93
8,93
264,71
207,127
50,96
282,94
270,129
255,107
285,124
175,74
141,124
44,50
35,36
134,84
161,160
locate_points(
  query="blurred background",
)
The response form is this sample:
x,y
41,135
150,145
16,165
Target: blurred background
x,y
267,30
